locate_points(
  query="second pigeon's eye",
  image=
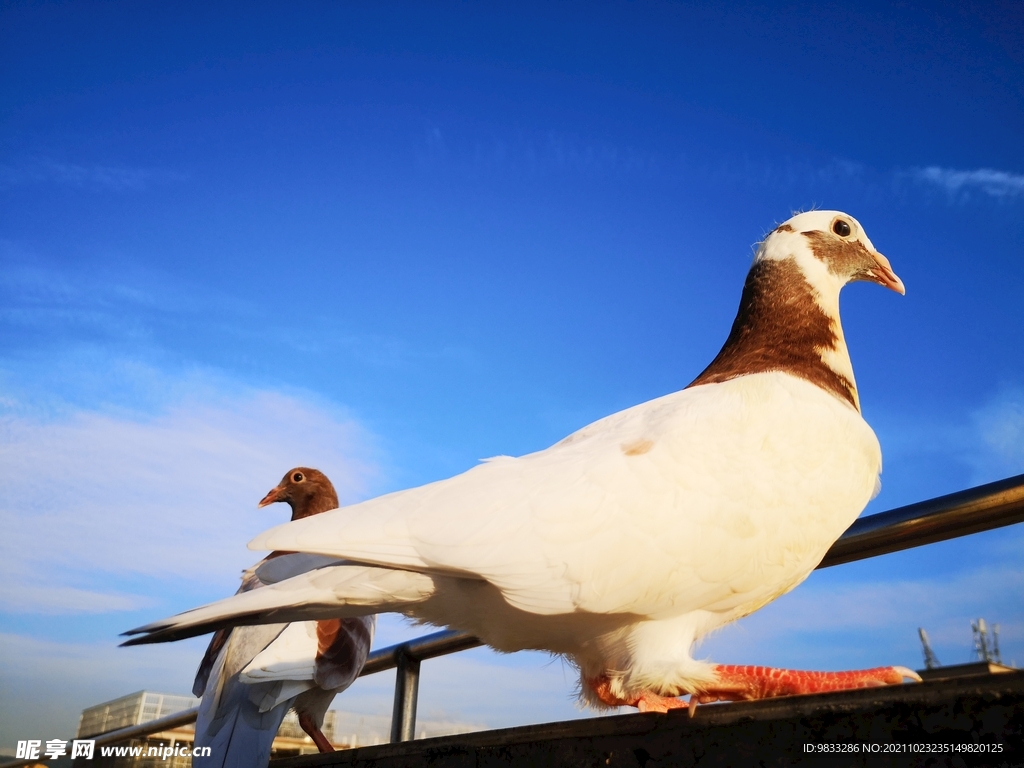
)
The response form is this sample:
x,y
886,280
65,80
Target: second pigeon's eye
x,y
297,477
841,228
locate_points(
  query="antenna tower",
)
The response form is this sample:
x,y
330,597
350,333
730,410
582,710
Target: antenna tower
x,y
986,647
931,661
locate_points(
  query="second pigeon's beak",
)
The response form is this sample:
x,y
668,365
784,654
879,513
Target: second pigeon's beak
x,y
883,275
274,495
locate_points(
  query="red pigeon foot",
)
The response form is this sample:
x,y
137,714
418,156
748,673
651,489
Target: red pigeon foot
x,y
645,701
310,726
743,683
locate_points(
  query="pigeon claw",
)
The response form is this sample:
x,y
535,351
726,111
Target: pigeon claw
x,y
645,701
745,683
653,702
309,725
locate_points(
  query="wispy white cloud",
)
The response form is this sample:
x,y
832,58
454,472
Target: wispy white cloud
x,y
24,597
957,183
92,496
1000,424
826,179
534,153
132,307
814,179
93,177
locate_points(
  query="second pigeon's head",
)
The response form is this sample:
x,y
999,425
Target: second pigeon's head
x,y
307,491
832,249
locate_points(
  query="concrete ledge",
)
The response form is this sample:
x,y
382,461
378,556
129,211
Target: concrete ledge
x,y
937,723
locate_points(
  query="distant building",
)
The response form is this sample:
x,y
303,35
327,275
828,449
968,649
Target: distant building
x,y
134,709
146,706
343,729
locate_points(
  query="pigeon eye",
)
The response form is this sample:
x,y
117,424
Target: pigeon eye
x,y
841,228
297,477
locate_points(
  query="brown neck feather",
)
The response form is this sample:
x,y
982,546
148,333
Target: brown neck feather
x,y
321,500
779,327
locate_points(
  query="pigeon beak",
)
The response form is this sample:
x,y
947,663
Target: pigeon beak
x,y
883,275
274,495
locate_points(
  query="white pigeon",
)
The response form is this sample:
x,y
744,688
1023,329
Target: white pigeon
x,y
250,676
622,545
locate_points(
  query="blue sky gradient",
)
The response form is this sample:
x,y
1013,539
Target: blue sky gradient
x,y
391,239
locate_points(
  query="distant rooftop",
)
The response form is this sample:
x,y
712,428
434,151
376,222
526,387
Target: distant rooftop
x,y
133,709
342,728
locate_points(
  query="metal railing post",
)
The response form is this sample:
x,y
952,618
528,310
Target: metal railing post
x,y
407,686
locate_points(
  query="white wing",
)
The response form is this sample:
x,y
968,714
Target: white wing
x,y
701,499
292,656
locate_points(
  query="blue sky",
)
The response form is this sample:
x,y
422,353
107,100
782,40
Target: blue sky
x,y
391,239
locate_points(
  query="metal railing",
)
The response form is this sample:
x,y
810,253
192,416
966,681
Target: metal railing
x,y
974,510
988,506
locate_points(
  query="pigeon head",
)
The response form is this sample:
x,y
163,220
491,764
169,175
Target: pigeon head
x,y
788,319
832,249
307,491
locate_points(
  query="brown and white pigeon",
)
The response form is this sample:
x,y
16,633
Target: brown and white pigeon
x,y
250,676
622,545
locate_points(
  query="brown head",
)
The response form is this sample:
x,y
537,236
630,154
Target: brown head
x,y
307,491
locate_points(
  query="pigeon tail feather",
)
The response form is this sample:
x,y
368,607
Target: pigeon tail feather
x,y
229,722
344,591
